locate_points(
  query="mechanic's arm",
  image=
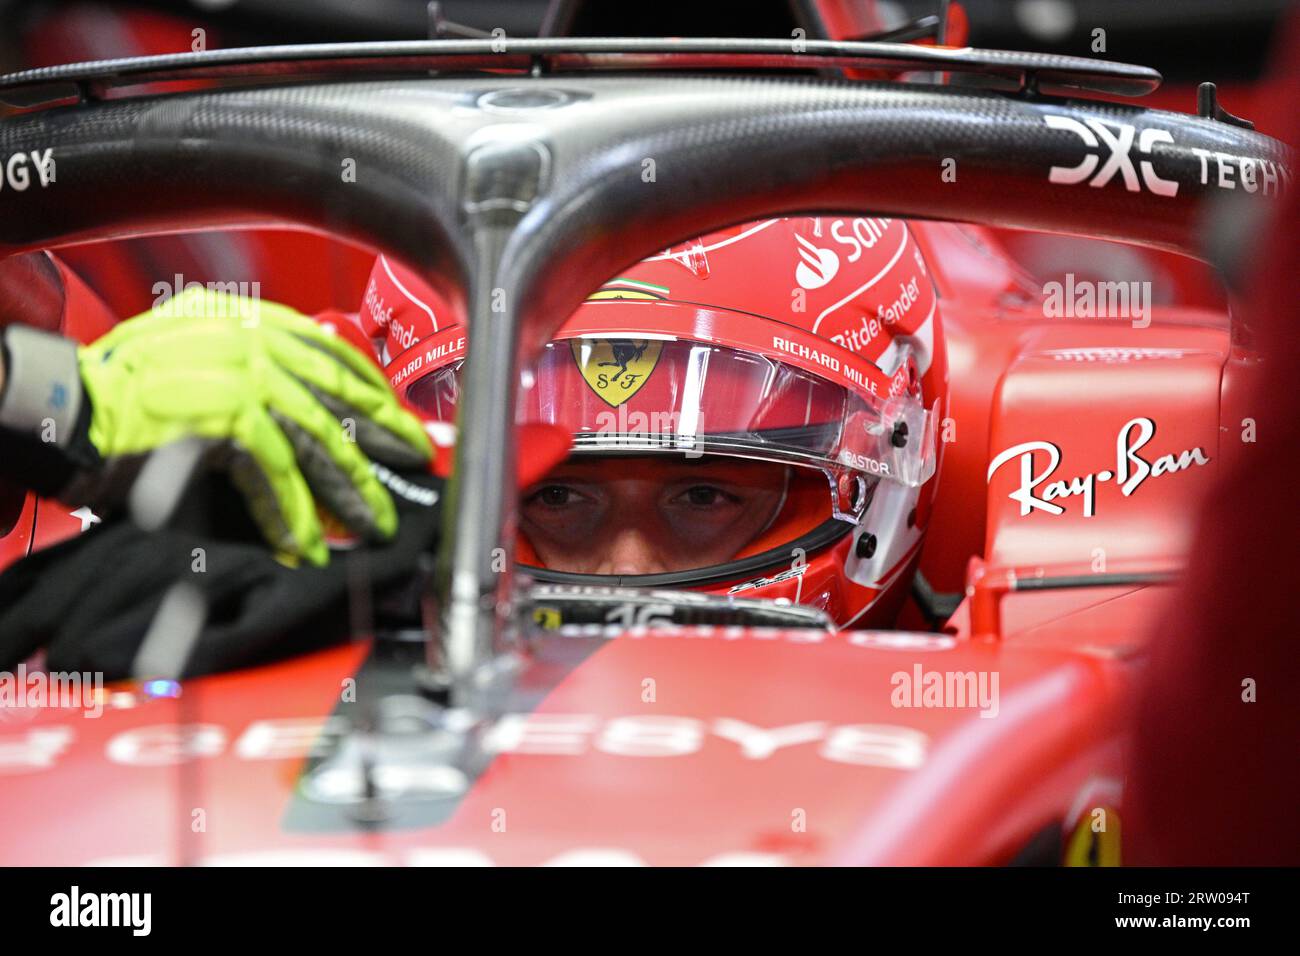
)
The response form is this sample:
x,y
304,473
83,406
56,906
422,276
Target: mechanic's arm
x,y
292,412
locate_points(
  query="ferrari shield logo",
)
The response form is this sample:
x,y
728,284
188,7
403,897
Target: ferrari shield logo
x,y
616,368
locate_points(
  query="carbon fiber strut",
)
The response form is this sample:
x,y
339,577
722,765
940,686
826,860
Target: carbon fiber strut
x,y
502,178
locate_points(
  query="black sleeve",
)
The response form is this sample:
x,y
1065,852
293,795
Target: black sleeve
x,y
26,457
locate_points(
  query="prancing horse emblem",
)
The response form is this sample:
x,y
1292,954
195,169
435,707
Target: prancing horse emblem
x,y
631,359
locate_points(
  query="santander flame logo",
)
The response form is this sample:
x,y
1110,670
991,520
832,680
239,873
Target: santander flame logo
x,y
818,266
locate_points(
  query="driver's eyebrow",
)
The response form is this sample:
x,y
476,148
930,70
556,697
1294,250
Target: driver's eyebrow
x,y
562,477
710,480
724,475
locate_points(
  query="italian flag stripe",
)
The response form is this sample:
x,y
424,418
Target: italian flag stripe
x,y
635,284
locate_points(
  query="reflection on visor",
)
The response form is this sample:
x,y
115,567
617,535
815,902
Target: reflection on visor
x,y
437,393
650,395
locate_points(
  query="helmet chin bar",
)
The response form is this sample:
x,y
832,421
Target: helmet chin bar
x,y
825,534
608,610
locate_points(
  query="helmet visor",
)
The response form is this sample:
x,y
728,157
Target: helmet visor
x,y
668,395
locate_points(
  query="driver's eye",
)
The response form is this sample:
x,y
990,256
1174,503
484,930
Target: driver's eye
x,y
704,495
553,496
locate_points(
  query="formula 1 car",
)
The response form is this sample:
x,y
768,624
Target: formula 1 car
x,y
532,723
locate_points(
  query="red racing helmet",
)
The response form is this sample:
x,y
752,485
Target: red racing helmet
x,y
814,343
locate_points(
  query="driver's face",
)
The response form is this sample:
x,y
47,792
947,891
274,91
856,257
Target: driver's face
x,y
649,515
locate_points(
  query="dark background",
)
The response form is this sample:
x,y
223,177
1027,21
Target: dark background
x,y
1187,40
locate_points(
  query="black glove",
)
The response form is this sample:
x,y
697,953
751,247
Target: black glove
x,y
90,601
